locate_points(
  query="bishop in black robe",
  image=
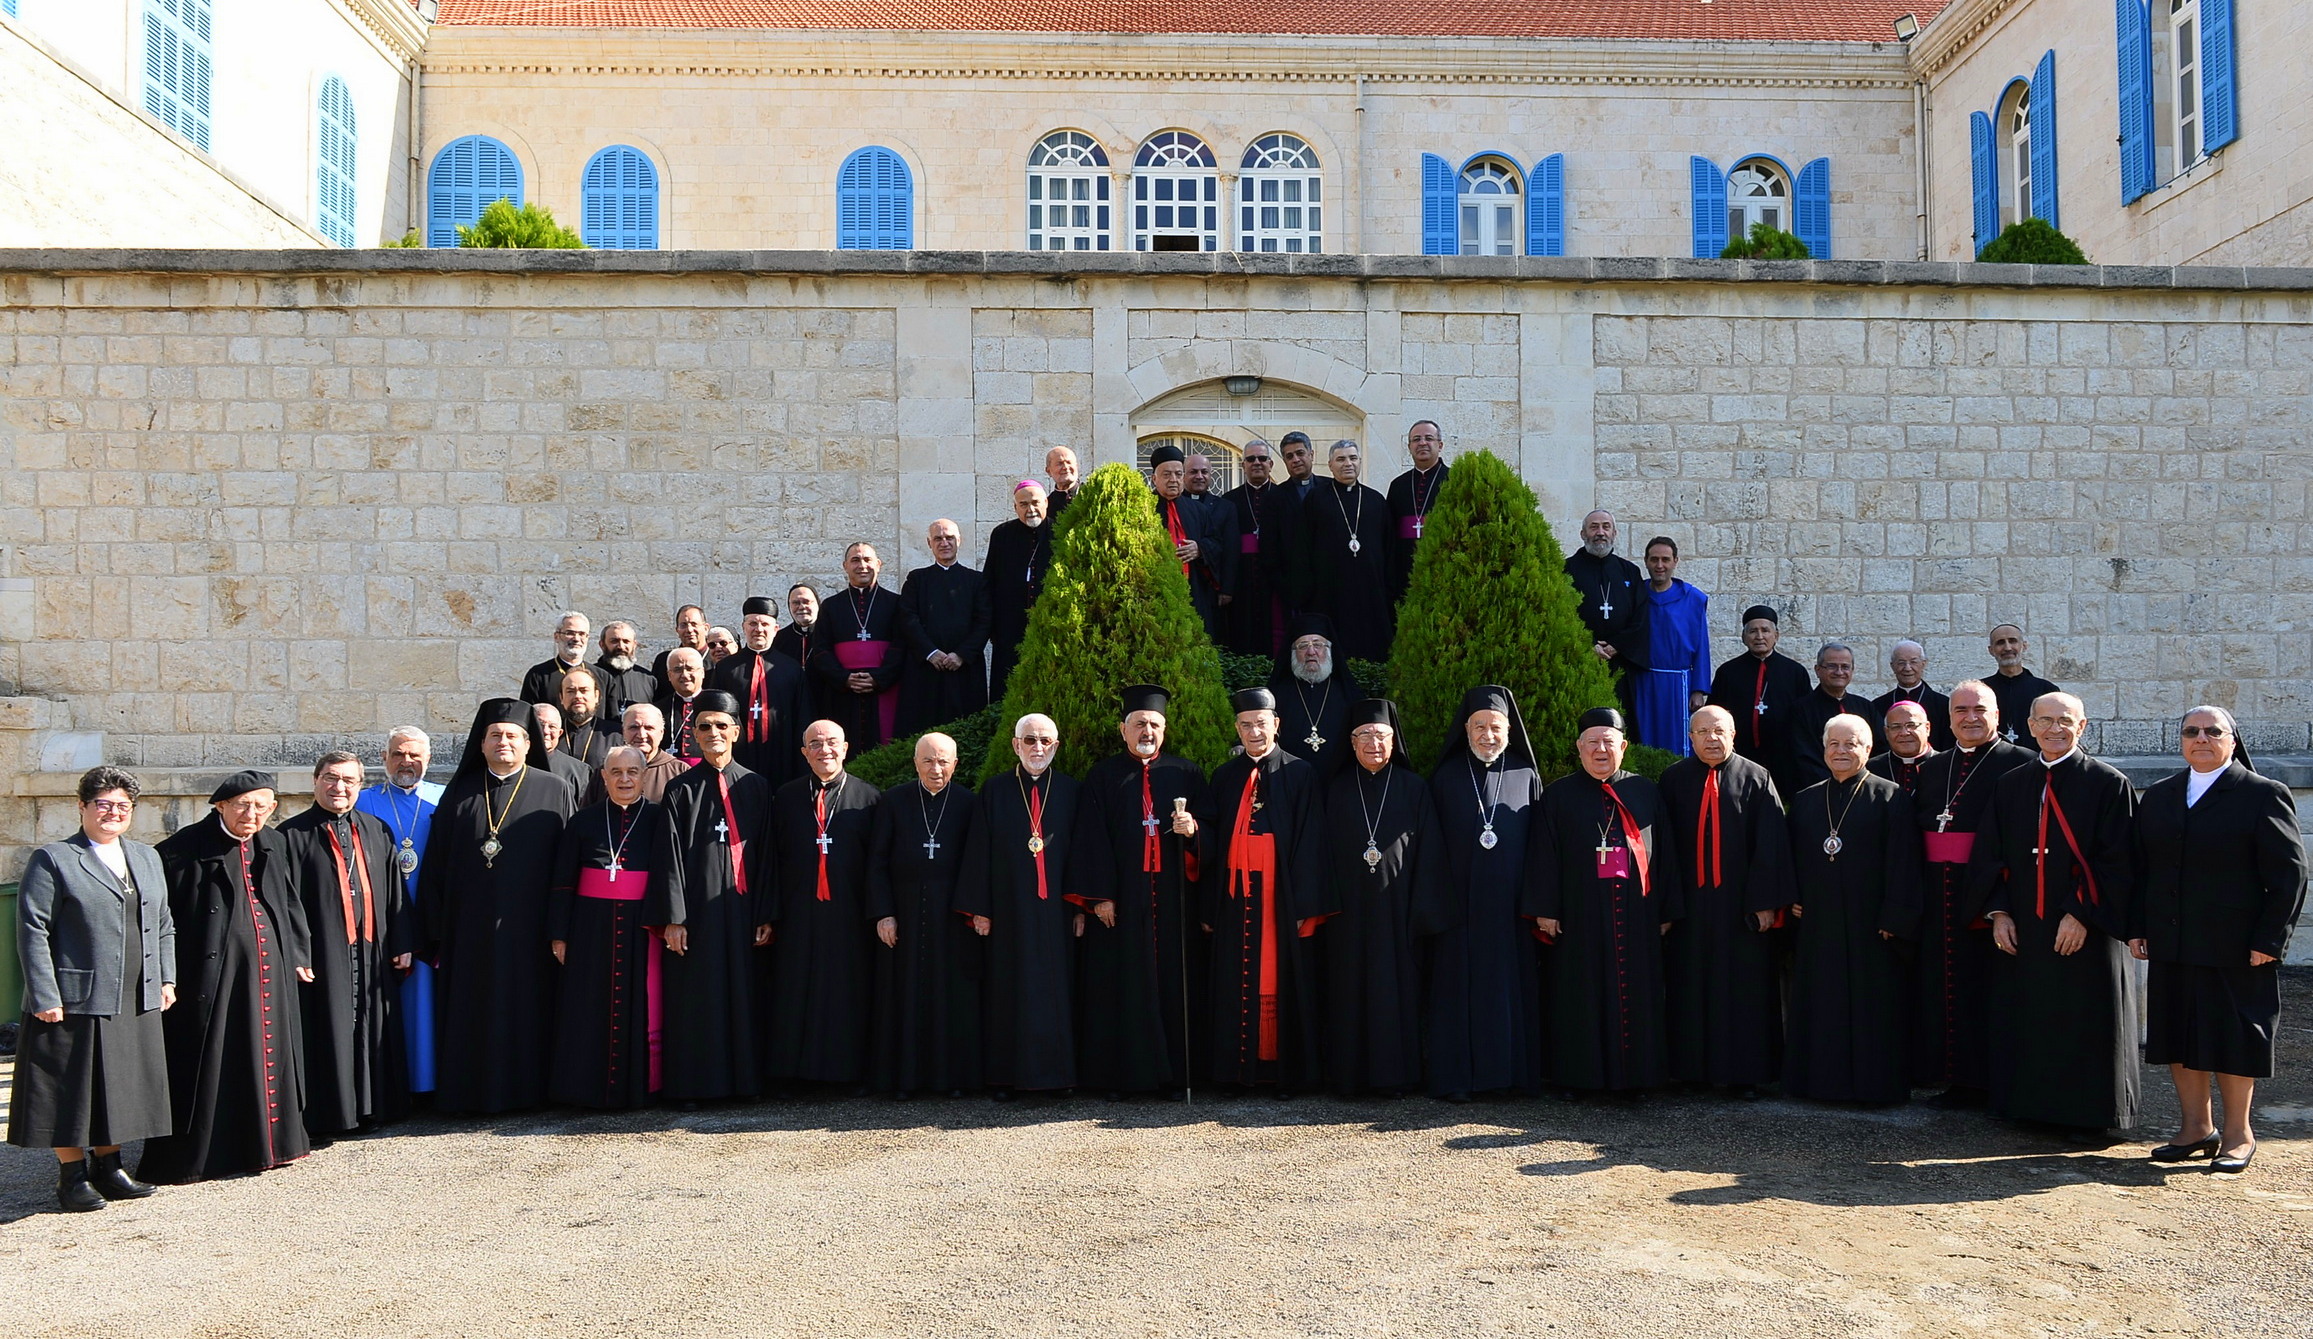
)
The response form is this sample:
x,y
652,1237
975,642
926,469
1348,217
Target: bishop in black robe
x,y
1133,1027
822,949
796,641
1805,750
774,705
1762,689
1313,713
949,612
863,630
1189,521
482,889
928,974
2054,858
1019,556
1484,1006
1604,881
1904,772
1938,707
1726,1005
364,935
1018,873
1262,873
622,688
598,918
1411,495
236,1084
1612,599
1855,851
1256,607
1951,800
1345,546
718,886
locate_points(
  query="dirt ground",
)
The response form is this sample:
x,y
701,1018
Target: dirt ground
x,y
1679,1215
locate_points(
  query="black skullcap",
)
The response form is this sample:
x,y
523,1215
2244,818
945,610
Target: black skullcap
x,y
1598,716
1760,611
503,711
759,604
1143,697
1252,699
1166,455
241,783
715,699
1372,711
1308,625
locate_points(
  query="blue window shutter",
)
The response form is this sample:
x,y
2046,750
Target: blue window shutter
x,y
1812,209
2134,28
2044,140
874,202
177,54
336,168
469,174
619,201
1546,207
8,7
1986,162
2220,106
1710,209
1441,222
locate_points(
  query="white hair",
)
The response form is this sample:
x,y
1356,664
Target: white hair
x,y
1897,649
613,756
1828,647
633,707
691,651
1855,723
569,614
1020,727
408,732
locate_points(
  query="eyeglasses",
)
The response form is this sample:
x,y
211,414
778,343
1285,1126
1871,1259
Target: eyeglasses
x,y
112,806
714,725
2203,732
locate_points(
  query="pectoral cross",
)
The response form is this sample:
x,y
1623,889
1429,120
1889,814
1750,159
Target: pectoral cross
x,y
862,634
825,843
931,846
1605,849
1417,527
614,870
1944,821
2043,850
1315,741
2010,734
1760,706
1148,824
1605,604
722,832
755,710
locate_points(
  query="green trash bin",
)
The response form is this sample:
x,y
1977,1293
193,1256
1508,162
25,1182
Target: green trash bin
x,y
11,973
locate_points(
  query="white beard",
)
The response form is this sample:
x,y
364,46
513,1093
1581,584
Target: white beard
x,y
1598,548
621,664
1316,676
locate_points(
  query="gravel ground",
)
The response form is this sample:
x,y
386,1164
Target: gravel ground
x,y
1680,1215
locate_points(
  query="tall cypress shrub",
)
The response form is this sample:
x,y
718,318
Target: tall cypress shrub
x,y
1114,612
1489,602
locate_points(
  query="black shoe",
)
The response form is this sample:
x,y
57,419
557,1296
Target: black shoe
x,y
111,1182
2225,1162
2198,1148
73,1192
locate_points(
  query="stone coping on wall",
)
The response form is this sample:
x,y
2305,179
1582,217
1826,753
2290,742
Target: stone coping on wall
x,y
1132,264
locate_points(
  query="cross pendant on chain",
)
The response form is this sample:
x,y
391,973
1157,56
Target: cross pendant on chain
x,y
755,710
1605,605
1148,824
723,832
931,846
824,842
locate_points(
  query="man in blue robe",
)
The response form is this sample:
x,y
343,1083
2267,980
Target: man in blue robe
x,y
405,802
1677,680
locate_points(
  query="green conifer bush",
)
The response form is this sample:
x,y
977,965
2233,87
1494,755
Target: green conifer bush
x,y
531,227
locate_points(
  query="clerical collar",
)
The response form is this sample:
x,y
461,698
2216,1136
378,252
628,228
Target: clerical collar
x,y
496,775
829,784
945,567
2046,761
1260,757
237,841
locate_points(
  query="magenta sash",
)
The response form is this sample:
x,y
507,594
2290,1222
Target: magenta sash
x,y
1950,848
1248,543
1409,527
631,886
857,655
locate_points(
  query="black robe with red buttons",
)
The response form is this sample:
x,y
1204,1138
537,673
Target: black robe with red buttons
x,y
356,1066
602,1039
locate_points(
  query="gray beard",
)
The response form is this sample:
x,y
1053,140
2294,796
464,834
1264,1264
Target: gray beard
x,y
1598,548
1314,677
619,663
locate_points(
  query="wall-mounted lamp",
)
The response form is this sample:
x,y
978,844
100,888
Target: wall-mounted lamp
x,y
1242,385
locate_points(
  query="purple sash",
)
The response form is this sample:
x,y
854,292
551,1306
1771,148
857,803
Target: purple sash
x,y
1950,848
857,655
1248,543
597,883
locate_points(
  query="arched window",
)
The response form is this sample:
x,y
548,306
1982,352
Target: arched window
x,y
1176,195
1757,192
335,169
1228,468
1068,194
618,201
1489,202
2016,151
875,206
469,175
1278,197
177,55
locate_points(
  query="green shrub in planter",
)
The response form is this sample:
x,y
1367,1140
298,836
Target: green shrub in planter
x,y
532,227
1765,243
2032,242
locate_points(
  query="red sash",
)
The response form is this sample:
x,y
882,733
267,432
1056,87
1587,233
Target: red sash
x,y
1632,835
858,656
819,811
1758,696
598,883
1710,835
1036,831
345,884
2049,805
736,841
756,723
1251,855
1152,855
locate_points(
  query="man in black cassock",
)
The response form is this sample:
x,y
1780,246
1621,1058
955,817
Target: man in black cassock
x,y
1726,1006
600,923
482,890
542,682
587,733
1411,495
1313,696
356,1064
624,682
1388,861
947,607
546,752
773,693
1604,886
691,632
1137,873
1256,608
822,961
862,647
1019,877
1260,833
1485,988
1345,543
1905,729
716,900
1952,800
931,960
1288,560
686,679
1829,699
236,1084
1908,663
1855,856
1761,689
2016,687
1199,535
796,641
1613,603
1019,554
2053,870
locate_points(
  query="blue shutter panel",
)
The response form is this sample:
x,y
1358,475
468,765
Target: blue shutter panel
x,y
2220,106
1441,224
1984,159
2044,140
2134,28
177,50
335,170
469,174
874,202
1710,196
1812,209
1546,208
619,200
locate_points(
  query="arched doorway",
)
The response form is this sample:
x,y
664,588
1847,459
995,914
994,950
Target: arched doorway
x,y
1210,417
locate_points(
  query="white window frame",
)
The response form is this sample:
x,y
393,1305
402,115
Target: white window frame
x,y
1173,166
1758,191
2016,140
2183,85
1490,207
1280,196
1069,162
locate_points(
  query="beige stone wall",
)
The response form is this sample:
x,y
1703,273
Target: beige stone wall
x,y
2250,204
259,506
748,129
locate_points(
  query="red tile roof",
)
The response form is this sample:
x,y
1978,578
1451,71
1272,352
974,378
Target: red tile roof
x,y
1710,20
